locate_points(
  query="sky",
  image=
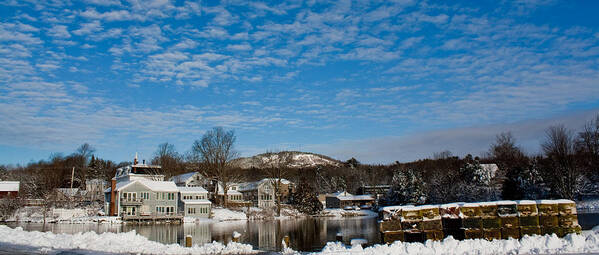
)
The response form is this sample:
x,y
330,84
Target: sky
x,y
376,80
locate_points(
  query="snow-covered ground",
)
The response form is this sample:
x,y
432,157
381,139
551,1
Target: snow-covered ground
x,y
130,242
588,205
223,214
588,242
35,214
338,213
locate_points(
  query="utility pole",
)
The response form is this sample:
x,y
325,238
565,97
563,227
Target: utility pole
x,y
72,194
72,177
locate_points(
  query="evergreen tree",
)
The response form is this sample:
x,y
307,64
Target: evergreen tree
x,y
305,199
407,188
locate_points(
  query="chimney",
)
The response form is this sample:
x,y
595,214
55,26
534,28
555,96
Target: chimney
x,y
144,161
112,210
135,160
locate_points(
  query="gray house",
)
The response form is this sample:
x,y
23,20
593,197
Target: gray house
x,y
144,198
193,202
191,179
139,191
345,200
262,193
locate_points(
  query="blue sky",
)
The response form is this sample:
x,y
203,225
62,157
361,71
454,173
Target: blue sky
x,y
377,80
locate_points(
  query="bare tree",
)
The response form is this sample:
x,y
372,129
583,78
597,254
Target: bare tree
x,y
85,151
276,167
216,151
513,165
442,155
559,150
82,158
587,146
167,157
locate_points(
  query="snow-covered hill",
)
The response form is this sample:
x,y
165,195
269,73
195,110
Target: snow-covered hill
x,y
293,159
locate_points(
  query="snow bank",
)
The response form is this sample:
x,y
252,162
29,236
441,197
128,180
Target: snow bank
x,y
222,214
35,214
129,242
338,213
588,205
588,242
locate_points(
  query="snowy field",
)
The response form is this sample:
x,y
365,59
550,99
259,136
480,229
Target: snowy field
x,y
132,243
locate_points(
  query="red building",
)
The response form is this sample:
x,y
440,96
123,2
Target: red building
x,y
9,189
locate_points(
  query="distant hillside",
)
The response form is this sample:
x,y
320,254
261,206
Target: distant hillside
x,y
293,159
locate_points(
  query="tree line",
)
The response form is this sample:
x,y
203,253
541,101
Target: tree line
x,y
567,167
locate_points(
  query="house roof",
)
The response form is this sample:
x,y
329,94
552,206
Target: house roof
x,y
363,197
340,194
192,190
229,192
161,186
70,192
9,186
197,202
247,186
183,177
345,196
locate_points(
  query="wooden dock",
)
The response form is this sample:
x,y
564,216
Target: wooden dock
x,y
175,218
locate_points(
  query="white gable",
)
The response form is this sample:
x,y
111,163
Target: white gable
x,y
9,186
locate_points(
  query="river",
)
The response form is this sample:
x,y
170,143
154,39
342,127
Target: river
x,y
305,234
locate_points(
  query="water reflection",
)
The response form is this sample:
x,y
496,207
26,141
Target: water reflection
x,y
306,234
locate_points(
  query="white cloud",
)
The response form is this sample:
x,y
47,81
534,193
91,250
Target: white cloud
x,y
9,32
59,31
115,15
88,28
104,2
239,47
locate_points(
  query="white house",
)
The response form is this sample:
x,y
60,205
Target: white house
x,y
193,202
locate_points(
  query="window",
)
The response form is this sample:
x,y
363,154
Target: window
x,y
130,196
171,196
130,210
144,195
191,211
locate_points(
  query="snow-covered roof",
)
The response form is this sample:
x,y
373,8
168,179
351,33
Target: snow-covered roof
x,y
547,202
564,201
247,186
197,202
526,202
70,192
363,197
229,192
340,194
506,202
161,186
9,186
427,207
450,205
192,190
488,203
183,177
